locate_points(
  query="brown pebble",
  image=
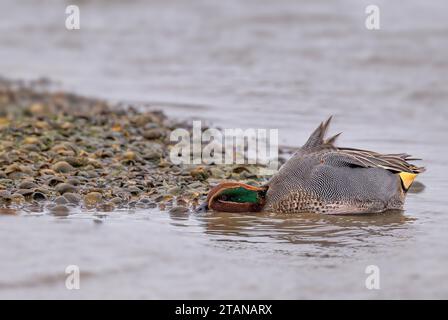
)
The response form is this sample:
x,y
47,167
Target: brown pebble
x,y
47,172
60,211
130,156
72,197
27,185
37,109
31,140
62,167
199,173
179,209
63,188
92,198
153,134
117,201
53,181
60,200
25,192
17,198
106,207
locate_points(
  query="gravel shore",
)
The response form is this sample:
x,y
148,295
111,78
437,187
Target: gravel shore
x,y
61,153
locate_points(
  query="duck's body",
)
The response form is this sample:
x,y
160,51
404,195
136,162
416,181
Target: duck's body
x,y
322,178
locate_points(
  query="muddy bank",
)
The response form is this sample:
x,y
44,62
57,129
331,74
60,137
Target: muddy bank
x,y
61,152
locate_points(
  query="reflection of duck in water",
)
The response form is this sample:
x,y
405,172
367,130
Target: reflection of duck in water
x,y
308,228
322,178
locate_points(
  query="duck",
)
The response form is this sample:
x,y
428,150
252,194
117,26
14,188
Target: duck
x,y
325,179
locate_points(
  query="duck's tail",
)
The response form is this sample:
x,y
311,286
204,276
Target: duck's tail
x,y
317,138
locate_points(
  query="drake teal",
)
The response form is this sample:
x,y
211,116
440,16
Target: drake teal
x,y
323,178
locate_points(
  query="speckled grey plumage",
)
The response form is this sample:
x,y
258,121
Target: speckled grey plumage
x,y
324,179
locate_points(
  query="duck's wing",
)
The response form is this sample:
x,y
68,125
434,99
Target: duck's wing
x,y
317,144
368,159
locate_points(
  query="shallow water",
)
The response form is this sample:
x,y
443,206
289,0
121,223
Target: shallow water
x,y
260,64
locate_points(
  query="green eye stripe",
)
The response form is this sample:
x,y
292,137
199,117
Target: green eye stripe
x,y
241,194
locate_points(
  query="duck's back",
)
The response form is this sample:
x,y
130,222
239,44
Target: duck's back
x,y
308,185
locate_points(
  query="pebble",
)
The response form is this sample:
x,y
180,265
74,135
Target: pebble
x,y
17,198
179,209
106,207
92,198
72,197
199,173
135,191
25,192
116,201
53,181
27,185
5,194
130,156
153,134
39,196
63,188
74,181
37,109
60,211
60,200
31,140
62,167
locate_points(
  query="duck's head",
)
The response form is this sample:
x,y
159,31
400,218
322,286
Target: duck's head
x,y
235,197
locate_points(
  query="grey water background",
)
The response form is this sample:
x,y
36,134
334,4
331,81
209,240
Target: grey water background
x,y
260,64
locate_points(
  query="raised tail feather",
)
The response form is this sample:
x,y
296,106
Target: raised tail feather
x,y
317,138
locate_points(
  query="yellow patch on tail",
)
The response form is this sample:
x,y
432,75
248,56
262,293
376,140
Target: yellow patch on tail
x,y
407,179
